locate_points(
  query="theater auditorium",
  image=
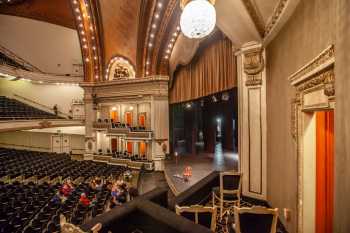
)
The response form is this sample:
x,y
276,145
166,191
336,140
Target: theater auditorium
x,y
174,116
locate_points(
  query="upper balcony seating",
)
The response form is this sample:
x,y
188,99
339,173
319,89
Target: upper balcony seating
x,y
11,109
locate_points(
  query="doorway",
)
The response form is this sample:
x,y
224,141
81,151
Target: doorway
x,y
128,118
60,143
318,167
114,145
324,171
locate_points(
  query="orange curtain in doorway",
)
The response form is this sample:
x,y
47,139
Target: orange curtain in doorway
x,y
142,148
324,171
129,147
128,118
142,120
114,116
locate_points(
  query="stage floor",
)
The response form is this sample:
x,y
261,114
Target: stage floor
x,y
202,165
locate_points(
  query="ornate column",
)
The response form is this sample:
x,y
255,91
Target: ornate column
x,y
90,118
252,119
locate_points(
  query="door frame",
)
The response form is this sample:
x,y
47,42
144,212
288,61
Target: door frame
x,y
314,91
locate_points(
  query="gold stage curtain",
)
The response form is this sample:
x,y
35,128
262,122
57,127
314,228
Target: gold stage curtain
x,y
212,70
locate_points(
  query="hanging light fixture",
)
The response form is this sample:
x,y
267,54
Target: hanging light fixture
x,y
198,18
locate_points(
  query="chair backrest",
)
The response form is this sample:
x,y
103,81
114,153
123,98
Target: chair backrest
x,y
230,183
257,219
203,215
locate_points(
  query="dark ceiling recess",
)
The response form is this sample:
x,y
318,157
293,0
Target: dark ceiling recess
x,y
11,2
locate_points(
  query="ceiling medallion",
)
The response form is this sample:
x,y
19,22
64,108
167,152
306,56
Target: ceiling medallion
x,y
198,18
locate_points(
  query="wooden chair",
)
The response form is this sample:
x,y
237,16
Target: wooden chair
x,y
257,219
229,191
196,210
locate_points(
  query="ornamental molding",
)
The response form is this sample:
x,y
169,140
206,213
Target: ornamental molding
x,y
319,63
255,16
253,65
314,84
276,16
45,124
120,68
254,61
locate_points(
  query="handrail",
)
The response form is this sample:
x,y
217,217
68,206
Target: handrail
x,y
18,59
41,105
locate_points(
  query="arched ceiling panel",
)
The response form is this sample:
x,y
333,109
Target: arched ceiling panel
x,y
52,11
119,28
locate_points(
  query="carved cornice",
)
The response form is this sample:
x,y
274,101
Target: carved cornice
x,y
275,16
323,60
314,76
322,78
255,15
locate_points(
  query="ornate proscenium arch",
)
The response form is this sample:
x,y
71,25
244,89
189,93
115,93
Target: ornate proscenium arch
x,y
86,13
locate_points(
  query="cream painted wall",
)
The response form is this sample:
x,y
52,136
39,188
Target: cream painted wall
x,y
38,141
309,173
42,44
309,31
49,95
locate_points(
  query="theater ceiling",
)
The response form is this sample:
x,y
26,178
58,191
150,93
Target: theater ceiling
x,y
146,32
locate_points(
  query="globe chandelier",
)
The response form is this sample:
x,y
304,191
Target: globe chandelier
x,y
198,18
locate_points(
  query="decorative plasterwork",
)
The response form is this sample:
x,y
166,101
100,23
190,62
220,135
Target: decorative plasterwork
x,y
316,75
253,66
323,60
277,13
314,87
119,68
255,15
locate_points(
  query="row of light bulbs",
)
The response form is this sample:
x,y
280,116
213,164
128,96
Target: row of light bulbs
x,y
152,35
172,43
82,14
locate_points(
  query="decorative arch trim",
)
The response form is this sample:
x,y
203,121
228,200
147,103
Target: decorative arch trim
x,y
120,68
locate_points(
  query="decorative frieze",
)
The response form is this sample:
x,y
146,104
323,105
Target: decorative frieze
x,y
318,75
253,66
275,16
322,61
255,15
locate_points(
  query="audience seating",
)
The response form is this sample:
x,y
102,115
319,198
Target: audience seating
x,y
204,215
229,190
11,109
264,219
29,181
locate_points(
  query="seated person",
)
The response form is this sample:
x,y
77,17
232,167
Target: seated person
x,y
84,200
66,189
